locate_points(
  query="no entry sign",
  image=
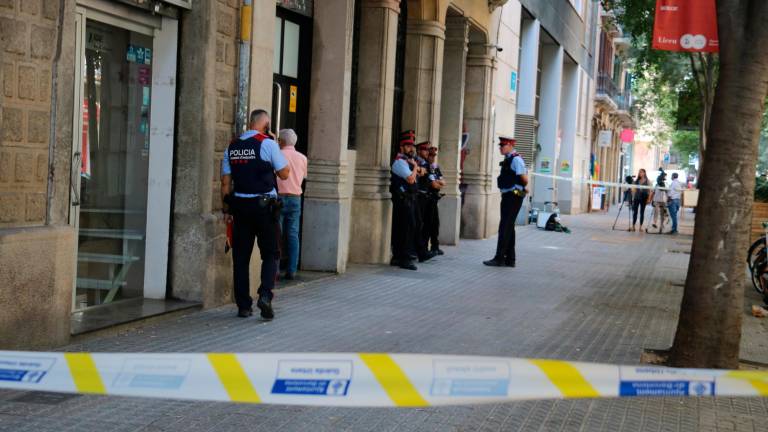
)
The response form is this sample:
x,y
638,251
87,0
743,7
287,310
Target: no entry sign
x,y
685,25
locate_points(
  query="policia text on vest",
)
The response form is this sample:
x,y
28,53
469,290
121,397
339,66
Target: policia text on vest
x,y
511,182
248,188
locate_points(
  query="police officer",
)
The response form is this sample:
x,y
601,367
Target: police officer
x,y
511,182
250,198
403,186
432,220
423,201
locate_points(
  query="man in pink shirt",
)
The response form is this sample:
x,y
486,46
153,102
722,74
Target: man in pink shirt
x,y
290,193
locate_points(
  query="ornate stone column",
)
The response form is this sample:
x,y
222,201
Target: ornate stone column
x,y
423,78
480,212
325,239
451,116
371,206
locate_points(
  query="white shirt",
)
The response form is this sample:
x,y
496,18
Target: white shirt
x,y
675,189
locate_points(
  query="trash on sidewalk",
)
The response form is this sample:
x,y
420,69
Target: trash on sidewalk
x,y
759,311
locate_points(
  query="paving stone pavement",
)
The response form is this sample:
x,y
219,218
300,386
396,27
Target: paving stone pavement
x,y
593,295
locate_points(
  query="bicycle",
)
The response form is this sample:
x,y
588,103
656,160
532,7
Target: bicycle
x,y
757,261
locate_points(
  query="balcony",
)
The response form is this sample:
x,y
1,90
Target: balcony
x,y
613,100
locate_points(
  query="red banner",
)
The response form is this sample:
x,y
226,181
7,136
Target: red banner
x,y
686,25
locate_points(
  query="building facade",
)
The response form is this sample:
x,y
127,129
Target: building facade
x,y
556,84
116,114
613,123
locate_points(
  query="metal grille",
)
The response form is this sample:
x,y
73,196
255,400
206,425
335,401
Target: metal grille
x,y
525,136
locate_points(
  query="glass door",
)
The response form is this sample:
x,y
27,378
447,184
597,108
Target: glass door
x,y
112,170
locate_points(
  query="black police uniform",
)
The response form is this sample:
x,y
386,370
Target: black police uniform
x,y
511,202
432,215
254,219
404,219
423,214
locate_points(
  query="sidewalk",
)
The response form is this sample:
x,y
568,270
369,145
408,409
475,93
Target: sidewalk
x,y
594,295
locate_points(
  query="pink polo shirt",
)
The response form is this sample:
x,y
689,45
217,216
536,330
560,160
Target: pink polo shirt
x,y
298,164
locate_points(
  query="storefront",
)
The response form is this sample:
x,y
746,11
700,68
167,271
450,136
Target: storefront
x,y
125,92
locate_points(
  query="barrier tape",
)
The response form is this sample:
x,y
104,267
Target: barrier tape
x,y
594,182
357,380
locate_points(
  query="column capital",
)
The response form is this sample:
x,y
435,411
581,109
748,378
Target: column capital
x,y
457,31
426,28
481,60
382,4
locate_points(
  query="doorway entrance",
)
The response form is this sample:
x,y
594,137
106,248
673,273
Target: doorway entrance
x,y
123,152
291,74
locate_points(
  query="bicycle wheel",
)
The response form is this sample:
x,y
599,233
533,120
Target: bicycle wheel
x,y
759,271
754,251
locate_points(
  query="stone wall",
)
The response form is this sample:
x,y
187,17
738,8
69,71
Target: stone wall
x,y
27,41
227,32
199,270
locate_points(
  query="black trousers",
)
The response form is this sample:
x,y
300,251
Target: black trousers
x,y
638,206
404,223
431,224
505,246
253,221
423,224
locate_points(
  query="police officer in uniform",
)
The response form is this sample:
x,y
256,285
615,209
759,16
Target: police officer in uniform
x,y
432,219
250,198
423,200
404,187
511,182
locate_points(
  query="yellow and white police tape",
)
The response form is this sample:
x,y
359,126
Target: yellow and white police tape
x,y
357,380
591,182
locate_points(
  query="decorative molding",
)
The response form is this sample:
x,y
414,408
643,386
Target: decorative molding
x,y
327,180
382,4
493,4
372,183
457,31
426,28
481,60
484,180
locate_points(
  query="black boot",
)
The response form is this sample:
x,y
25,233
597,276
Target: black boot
x,y
408,265
265,305
494,262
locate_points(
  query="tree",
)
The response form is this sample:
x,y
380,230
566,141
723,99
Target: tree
x,y
709,329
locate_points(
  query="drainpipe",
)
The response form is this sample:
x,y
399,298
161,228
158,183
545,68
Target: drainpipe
x,y
244,67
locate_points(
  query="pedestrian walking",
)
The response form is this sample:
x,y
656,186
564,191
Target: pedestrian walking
x,y
249,195
640,199
675,193
436,184
423,201
659,200
511,182
290,194
404,188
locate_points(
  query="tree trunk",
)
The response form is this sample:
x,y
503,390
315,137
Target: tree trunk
x,y
709,329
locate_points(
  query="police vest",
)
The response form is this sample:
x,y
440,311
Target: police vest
x,y
400,185
438,176
251,174
508,178
423,182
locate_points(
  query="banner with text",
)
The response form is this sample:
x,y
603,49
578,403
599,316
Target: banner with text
x,y
686,25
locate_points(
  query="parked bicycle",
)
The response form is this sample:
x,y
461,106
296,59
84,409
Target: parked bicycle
x,y
757,260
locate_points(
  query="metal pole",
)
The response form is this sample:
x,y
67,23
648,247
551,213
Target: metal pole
x,y
244,67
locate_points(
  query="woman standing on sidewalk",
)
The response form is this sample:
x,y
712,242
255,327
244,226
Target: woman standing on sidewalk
x,y
640,199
